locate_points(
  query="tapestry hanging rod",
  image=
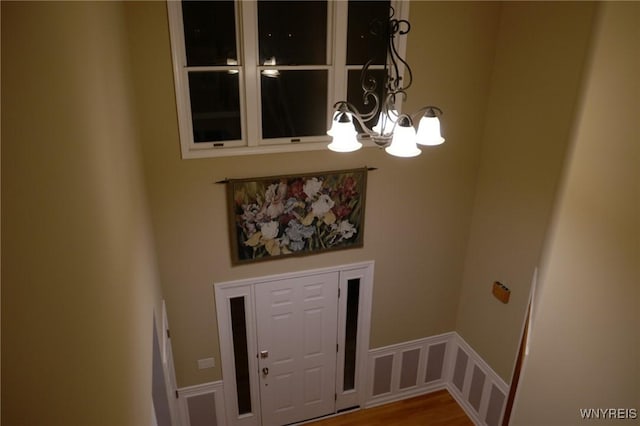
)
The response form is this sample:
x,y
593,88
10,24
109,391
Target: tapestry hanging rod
x,y
227,180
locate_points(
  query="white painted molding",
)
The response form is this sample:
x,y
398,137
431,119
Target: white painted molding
x,y
454,342
495,378
421,387
215,388
225,291
288,275
491,379
363,273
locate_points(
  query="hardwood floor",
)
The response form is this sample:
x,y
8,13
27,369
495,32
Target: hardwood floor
x,y
434,409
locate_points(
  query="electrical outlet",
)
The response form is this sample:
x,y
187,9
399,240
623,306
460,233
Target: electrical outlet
x,y
206,363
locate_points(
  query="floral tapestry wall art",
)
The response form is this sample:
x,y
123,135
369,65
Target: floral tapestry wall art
x,y
280,216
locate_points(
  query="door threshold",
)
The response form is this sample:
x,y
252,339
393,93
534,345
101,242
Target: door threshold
x,y
328,416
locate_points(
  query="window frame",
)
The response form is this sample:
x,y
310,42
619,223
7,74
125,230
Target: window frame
x,y
246,16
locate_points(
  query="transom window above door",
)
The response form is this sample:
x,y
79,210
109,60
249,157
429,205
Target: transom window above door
x,y
255,77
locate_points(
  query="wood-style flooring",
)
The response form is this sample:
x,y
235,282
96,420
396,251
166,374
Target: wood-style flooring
x,y
434,409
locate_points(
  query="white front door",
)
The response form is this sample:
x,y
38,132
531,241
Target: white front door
x,y
297,336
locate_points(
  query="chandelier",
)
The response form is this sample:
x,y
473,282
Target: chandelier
x,y
394,131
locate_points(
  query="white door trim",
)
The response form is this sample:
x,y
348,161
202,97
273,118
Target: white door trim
x,y
225,291
357,396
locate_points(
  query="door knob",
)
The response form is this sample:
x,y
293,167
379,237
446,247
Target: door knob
x,y
264,354
265,371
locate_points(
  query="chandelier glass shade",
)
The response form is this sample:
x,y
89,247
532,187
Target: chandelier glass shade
x,y
345,136
393,131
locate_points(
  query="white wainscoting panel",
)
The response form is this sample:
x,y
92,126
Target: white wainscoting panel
x,y
426,365
475,386
395,373
202,405
407,369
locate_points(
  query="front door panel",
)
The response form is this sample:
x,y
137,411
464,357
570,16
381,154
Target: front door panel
x,y
297,335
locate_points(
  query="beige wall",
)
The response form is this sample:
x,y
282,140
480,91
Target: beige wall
x,y
418,210
78,261
585,340
79,282
540,53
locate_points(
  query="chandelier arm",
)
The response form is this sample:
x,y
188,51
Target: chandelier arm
x,y
367,95
369,84
398,119
388,107
391,100
434,110
393,82
364,126
369,115
344,106
395,26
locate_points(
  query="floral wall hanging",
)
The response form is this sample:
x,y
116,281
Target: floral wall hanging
x,y
280,216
